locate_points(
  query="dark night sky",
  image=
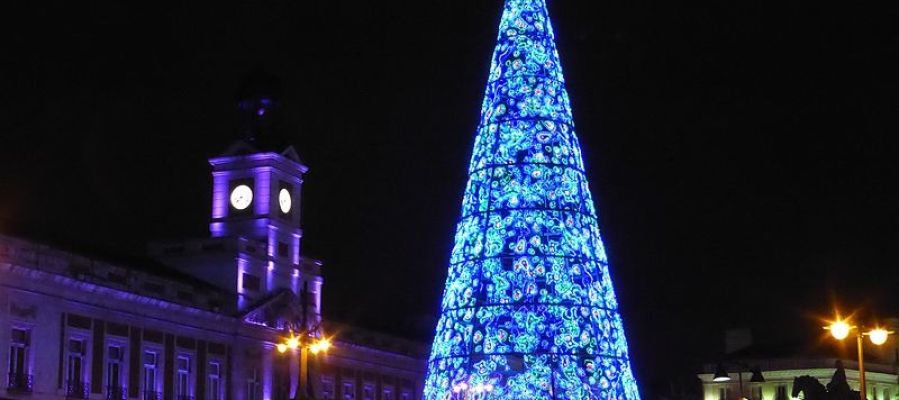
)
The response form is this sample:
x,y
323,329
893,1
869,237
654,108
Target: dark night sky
x,y
742,154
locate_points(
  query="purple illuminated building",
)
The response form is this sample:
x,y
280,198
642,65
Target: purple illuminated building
x,y
200,319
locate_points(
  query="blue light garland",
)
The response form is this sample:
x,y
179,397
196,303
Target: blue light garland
x,y
529,310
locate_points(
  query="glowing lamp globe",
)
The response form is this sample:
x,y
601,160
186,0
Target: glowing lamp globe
x,y
721,374
293,343
878,336
840,330
282,347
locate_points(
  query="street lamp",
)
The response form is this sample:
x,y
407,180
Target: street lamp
x,y
294,342
306,338
721,374
305,343
840,330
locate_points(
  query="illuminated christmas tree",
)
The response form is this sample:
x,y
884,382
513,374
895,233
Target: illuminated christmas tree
x,y
529,311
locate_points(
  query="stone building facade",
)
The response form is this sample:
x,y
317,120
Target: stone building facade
x,y
199,319
778,376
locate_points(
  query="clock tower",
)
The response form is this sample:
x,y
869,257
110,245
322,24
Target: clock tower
x,y
254,249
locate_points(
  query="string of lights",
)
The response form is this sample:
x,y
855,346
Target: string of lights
x,y
529,311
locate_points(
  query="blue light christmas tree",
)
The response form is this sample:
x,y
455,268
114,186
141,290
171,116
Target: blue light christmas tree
x,y
529,311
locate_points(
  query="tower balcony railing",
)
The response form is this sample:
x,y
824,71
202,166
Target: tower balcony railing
x,y
19,382
77,390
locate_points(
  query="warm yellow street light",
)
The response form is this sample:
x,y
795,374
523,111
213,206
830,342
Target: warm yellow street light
x,y
840,330
878,336
304,343
293,343
320,346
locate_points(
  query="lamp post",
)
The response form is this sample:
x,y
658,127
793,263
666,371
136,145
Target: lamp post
x,y
305,339
721,374
840,329
306,343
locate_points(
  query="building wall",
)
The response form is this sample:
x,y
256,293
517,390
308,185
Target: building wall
x,y
880,385
45,293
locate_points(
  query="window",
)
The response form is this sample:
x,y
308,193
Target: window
x,y
214,381
886,394
283,249
253,385
723,394
406,396
251,282
368,392
757,393
327,389
182,377
387,393
114,373
75,386
349,391
151,360
19,378
781,392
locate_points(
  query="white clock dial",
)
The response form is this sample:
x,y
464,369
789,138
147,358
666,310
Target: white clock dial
x,y
284,200
241,197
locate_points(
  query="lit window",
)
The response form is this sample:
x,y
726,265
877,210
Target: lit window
x,y
387,394
723,394
214,381
114,373
349,391
757,393
781,392
182,377
75,387
19,378
368,392
327,389
253,385
150,362
406,396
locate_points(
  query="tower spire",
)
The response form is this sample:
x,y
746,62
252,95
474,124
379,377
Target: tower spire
x,y
259,109
529,311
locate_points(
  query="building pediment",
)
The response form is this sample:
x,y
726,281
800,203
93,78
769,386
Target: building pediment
x,y
280,311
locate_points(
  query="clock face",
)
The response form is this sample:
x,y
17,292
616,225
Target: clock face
x,y
241,197
284,200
